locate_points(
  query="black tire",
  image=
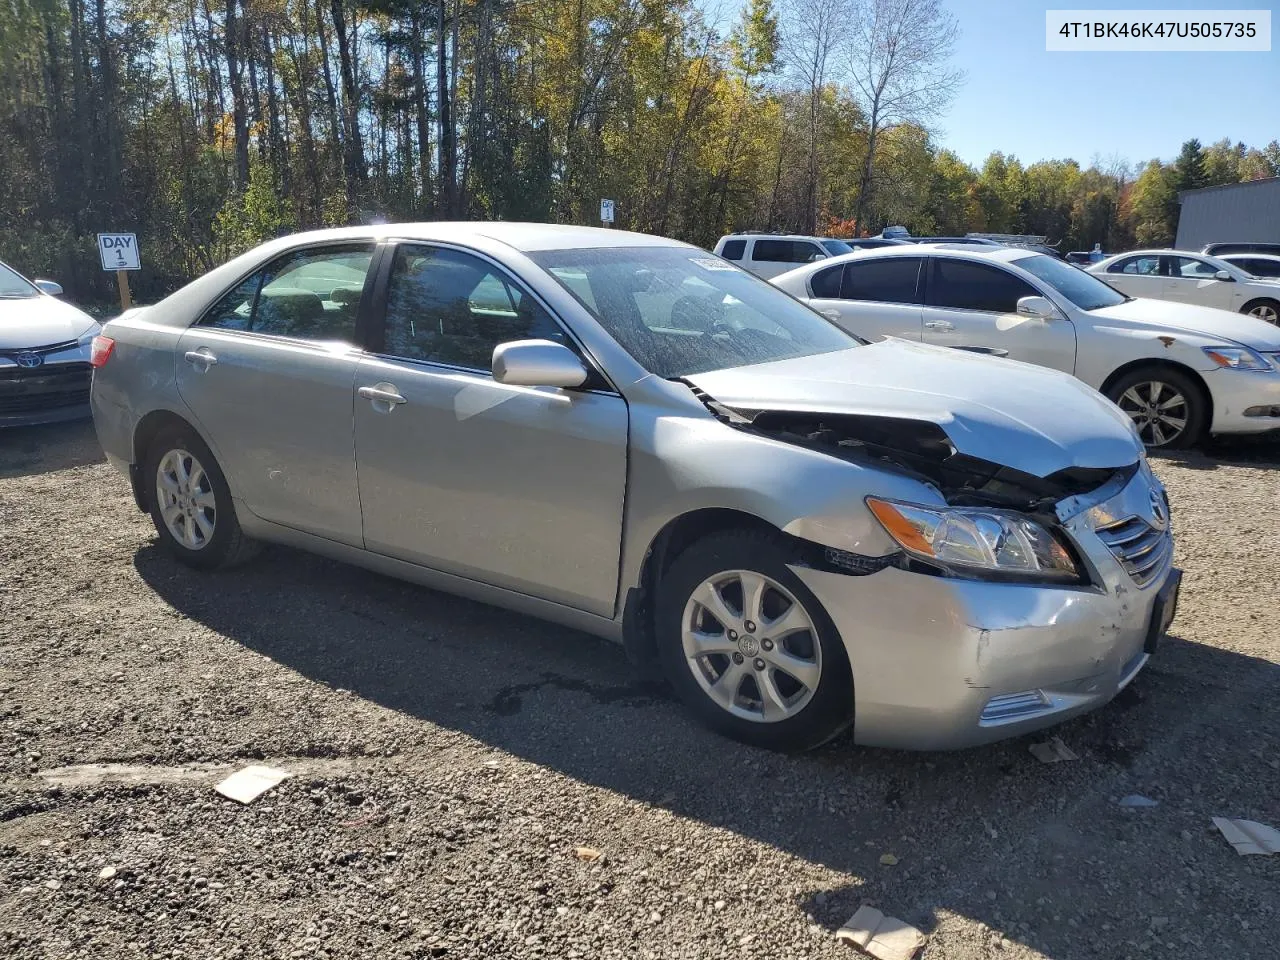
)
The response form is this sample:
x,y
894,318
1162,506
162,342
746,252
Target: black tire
x,y
829,709
228,545
1272,305
1197,404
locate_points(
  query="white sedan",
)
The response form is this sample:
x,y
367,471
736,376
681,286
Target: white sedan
x,y
44,353
1191,278
1264,266
1177,370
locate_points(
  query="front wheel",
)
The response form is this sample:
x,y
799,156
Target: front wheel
x,y
749,648
1167,406
1263,309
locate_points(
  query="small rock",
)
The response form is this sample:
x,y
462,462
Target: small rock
x,y
720,904
562,911
53,884
200,882
655,917
888,859
106,873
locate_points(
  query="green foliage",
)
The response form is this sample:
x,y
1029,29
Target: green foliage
x,y
506,109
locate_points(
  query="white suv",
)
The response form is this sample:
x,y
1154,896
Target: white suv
x,y
1177,370
769,254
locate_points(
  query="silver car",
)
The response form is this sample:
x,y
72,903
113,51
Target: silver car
x,y
632,437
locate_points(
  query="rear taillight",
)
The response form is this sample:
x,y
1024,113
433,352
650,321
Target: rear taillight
x,y
100,351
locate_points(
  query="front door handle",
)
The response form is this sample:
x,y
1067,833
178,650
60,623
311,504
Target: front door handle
x,y
939,325
381,394
201,359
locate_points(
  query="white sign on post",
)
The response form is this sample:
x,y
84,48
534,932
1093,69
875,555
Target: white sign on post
x,y
119,251
606,211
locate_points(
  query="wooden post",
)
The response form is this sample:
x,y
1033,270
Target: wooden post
x,y
122,281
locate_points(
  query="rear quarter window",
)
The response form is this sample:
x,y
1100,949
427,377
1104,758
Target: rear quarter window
x,y
733,249
826,283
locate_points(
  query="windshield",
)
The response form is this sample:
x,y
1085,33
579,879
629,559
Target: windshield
x,y
836,247
1083,289
13,286
679,311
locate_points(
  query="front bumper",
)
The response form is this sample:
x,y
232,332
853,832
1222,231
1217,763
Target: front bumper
x,y
941,663
50,393
1235,391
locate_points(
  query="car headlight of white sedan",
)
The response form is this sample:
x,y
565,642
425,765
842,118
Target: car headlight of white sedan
x,y
1237,358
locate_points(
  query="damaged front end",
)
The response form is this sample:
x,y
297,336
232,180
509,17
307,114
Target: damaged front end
x,y
923,451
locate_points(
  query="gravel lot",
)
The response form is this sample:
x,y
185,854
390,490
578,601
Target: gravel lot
x,y
448,758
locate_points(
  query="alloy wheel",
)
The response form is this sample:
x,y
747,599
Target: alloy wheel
x,y
1267,312
1158,410
185,495
751,646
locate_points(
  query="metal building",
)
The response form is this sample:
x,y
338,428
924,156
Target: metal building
x,y
1233,212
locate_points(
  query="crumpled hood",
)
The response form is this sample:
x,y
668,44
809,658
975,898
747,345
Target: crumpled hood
x,y
1030,418
1190,318
39,322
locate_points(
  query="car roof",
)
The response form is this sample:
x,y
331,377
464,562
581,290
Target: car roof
x,y
525,237
1244,255
775,236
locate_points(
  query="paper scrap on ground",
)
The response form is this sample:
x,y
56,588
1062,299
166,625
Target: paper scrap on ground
x,y
885,938
1249,836
1138,800
1052,751
245,786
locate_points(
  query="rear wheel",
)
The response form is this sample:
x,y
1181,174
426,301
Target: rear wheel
x,y
1263,309
1168,407
190,502
749,648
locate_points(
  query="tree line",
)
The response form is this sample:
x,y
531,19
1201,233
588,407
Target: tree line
x,y
207,126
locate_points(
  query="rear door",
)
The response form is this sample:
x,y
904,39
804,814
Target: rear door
x,y
972,304
873,298
1192,280
267,374
1143,275
518,487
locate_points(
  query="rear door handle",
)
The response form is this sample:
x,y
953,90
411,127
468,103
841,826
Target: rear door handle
x,y
202,358
940,325
382,393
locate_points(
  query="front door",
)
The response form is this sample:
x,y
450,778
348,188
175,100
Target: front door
x,y
970,304
267,374
1192,280
519,487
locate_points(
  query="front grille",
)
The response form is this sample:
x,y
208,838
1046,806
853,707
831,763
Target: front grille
x,y
9,353
1141,549
44,388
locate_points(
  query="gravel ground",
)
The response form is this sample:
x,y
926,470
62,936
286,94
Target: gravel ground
x,y
448,758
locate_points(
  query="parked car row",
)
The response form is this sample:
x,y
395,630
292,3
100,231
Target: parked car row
x,y
806,530
1178,370
44,353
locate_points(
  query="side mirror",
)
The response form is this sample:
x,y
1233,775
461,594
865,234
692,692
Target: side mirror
x,y
49,287
537,363
1223,275
1039,307
817,256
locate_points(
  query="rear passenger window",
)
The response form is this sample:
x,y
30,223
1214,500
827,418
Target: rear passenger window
x,y
733,249
885,280
1140,266
308,294
786,251
449,307
962,285
826,283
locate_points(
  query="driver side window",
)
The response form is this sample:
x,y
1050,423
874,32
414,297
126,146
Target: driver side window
x,y
445,306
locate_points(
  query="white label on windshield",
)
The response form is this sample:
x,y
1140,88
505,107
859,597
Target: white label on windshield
x,y
710,263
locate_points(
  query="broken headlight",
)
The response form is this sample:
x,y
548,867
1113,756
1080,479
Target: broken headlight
x,y
971,540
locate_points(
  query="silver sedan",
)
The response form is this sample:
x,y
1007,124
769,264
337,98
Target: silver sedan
x,y
632,437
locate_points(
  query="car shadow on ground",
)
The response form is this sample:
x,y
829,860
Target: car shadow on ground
x,y
27,451
989,834
1257,452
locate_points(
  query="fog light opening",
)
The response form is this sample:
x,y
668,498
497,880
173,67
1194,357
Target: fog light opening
x,y
1262,411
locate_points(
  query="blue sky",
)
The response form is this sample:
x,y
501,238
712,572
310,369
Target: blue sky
x,y
1025,101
